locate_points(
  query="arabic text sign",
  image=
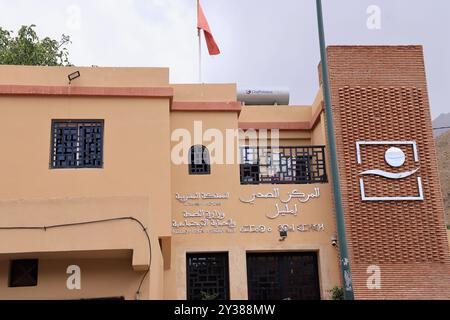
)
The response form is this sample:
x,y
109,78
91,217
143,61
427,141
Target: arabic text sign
x,y
202,196
295,194
199,220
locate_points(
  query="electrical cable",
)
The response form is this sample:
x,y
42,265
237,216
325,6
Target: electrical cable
x,y
45,228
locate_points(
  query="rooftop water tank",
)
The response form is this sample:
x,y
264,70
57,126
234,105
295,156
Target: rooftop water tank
x,y
263,96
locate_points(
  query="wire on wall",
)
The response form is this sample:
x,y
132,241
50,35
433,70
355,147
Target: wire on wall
x,y
45,228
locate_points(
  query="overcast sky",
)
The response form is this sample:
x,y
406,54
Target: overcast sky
x,y
264,43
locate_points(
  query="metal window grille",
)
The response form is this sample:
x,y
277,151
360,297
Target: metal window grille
x,y
199,160
208,276
283,165
77,144
23,273
283,276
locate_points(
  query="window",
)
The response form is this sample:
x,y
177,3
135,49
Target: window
x,y
77,144
207,276
199,160
249,167
23,273
283,165
303,168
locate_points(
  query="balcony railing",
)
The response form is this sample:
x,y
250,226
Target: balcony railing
x,y
283,165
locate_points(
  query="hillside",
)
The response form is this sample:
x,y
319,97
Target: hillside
x,y
442,121
443,154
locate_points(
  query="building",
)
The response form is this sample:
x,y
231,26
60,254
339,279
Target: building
x,y
115,186
443,152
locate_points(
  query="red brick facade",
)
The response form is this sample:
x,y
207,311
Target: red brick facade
x,y
379,93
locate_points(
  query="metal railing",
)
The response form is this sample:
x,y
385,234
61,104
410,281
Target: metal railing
x,y
283,165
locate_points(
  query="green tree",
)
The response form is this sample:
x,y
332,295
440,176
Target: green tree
x,y
27,49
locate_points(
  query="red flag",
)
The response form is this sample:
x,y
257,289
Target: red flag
x,y
202,24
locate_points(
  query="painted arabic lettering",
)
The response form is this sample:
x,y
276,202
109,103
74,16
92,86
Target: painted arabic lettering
x,y
316,227
199,221
207,220
295,194
204,223
284,209
250,228
215,214
201,196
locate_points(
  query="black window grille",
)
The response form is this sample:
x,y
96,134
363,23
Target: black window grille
x,y
77,144
207,276
23,273
199,162
283,165
283,276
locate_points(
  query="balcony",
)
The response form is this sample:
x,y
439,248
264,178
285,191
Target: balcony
x,y
283,165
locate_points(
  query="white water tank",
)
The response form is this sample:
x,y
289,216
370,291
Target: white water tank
x,y
263,96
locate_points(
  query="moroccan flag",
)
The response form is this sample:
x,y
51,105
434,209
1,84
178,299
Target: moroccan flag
x,y
202,24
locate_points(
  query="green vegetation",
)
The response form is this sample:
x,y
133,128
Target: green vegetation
x,y
209,296
27,49
337,293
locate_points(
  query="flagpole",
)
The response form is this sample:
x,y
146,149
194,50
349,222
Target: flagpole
x,y
199,48
340,223
199,56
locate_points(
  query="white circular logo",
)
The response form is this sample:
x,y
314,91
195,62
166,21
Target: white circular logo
x,y
395,157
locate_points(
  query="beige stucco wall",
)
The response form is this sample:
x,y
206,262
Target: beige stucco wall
x,y
90,76
448,236
100,278
279,114
225,178
138,180
204,92
129,147
275,114
136,135
318,134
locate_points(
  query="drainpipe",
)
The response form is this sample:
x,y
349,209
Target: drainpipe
x,y
342,239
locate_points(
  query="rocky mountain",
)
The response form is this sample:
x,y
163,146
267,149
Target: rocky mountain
x,y
442,121
443,154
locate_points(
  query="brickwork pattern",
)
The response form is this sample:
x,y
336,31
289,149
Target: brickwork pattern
x,y
379,93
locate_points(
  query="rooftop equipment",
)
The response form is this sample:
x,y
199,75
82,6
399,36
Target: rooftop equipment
x,y
262,96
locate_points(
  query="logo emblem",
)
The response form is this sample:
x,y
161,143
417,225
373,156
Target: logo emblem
x,y
396,158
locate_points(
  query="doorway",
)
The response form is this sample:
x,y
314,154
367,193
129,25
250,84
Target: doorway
x,y
283,276
207,276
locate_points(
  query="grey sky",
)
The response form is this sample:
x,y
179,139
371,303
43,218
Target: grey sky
x,y
264,42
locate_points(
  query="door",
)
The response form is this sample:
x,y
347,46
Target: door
x,y
283,276
207,276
